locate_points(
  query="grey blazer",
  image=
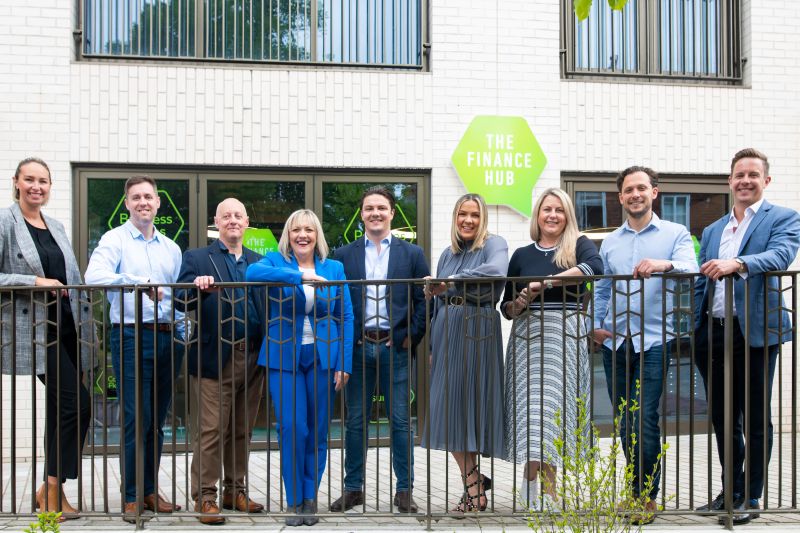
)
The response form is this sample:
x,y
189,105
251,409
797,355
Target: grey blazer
x,y
20,265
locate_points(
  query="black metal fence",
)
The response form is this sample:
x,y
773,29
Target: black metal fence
x,y
468,388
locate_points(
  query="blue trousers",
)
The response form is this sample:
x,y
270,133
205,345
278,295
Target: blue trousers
x,y
376,362
157,375
621,377
302,398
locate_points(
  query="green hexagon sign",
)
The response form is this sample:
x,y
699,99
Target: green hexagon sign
x,y
500,159
168,220
260,240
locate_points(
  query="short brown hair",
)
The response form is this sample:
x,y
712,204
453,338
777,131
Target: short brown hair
x,y
380,191
24,162
137,179
750,152
652,174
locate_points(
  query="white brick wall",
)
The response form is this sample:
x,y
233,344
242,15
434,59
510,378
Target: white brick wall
x,y
487,58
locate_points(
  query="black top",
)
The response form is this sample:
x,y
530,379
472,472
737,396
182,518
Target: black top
x,y
52,259
236,271
532,260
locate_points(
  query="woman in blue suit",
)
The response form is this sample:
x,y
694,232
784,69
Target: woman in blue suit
x,y
308,352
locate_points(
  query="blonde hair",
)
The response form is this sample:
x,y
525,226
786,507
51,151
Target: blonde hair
x,y
456,242
295,219
565,252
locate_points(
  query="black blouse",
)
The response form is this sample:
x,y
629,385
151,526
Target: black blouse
x,y
52,259
532,261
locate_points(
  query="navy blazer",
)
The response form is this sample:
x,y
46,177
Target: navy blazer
x,y
210,261
331,317
406,261
771,243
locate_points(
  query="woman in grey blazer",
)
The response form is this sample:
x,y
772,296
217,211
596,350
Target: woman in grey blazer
x,y
35,251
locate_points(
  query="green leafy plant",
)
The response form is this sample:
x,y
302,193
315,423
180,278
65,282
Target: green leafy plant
x,y
47,522
582,7
594,493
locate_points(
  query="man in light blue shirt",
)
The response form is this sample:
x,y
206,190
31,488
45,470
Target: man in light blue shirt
x,y
136,253
628,328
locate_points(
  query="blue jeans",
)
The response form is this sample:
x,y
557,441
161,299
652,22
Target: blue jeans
x,y
303,399
647,368
157,376
371,362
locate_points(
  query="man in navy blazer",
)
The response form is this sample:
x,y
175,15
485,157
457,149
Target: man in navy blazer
x,y
756,237
389,323
222,363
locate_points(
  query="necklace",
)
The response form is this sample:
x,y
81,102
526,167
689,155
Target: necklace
x,y
545,249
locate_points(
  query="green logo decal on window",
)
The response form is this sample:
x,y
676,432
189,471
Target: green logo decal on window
x,y
260,240
168,220
354,231
500,159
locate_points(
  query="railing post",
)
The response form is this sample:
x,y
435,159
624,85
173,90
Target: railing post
x,y
139,407
727,468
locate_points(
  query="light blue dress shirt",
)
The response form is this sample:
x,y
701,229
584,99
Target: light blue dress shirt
x,y
124,257
376,267
621,251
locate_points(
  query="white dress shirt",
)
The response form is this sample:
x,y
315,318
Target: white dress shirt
x,y
729,245
376,267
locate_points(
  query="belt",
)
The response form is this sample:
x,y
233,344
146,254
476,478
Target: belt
x,y
161,326
376,335
242,346
459,300
720,321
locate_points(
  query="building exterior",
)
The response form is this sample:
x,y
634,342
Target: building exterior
x,y
104,88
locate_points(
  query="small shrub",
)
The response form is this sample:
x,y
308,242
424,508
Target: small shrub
x,y
47,522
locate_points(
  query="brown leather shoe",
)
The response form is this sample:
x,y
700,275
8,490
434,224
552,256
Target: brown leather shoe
x,y
242,503
405,502
211,516
347,501
129,512
157,504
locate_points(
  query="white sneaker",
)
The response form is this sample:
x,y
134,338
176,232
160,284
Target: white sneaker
x,y
529,492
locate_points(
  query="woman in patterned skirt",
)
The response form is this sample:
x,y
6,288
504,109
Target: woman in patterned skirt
x,y
547,364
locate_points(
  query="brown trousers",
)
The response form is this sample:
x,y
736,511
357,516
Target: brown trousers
x,y
226,410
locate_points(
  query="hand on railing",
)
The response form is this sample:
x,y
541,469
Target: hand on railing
x,y
717,268
433,289
204,283
155,293
647,267
310,276
600,335
48,282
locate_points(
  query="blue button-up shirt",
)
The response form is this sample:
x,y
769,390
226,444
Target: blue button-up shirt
x,y
237,269
621,251
125,257
376,267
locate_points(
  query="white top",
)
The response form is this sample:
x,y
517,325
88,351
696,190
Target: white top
x,y
308,331
729,245
376,267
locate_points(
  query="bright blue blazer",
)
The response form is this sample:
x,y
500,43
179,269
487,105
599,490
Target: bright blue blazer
x,y
771,243
331,318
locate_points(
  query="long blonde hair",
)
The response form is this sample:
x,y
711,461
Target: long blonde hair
x,y
565,252
456,242
295,219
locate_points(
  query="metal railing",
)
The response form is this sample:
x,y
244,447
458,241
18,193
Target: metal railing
x,y
696,40
371,32
457,374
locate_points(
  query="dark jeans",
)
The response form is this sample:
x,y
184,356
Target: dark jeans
x,y
760,380
647,368
157,375
65,430
371,363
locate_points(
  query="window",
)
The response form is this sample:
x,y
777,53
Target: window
x,y
675,207
682,39
370,32
590,209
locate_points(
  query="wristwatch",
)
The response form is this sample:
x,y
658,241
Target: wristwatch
x,y
742,266
548,283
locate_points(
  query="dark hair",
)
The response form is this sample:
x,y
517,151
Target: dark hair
x,y
380,190
637,168
750,152
26,161
136,180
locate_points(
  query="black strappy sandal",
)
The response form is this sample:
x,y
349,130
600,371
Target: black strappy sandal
x,y
471,503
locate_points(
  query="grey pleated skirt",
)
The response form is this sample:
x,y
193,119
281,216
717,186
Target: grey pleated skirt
x,y
547,369
466,391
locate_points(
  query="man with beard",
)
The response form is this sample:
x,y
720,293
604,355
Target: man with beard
x,y
629,329
390,322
